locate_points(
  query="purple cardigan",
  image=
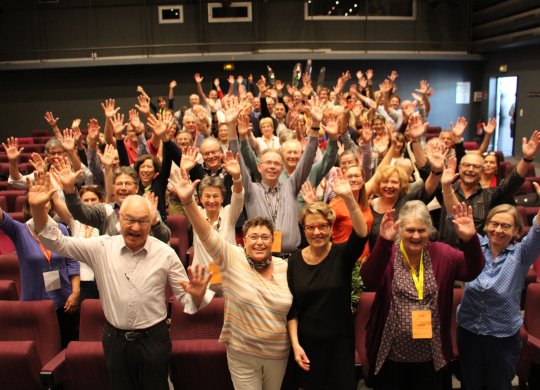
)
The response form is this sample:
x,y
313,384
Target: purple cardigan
x,y
449,264
33,263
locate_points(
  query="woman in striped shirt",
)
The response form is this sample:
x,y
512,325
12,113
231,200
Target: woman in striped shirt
x,y
257,296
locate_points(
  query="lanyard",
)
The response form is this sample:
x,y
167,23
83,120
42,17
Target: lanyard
x,y
417,279
56,179
273,210
47,254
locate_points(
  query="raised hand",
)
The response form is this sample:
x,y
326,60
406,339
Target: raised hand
x,y
144,104
216,83
489,128
198,78
93,132
424,88
232,111
261,84
68,178
189,159
153,199
389,228
12,148
40,191
134,119
107,158
393,75
244,125
340,185
181,186
463,221
231,165
50,119
230,79
416,127
529,148
366,132
369,74
118,125
308,193
172,84
37,162
109,109
158,125
199,277
435,156
279,86
449,175
68,143
459,128
331,128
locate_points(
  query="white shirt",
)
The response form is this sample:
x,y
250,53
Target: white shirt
x,y
225,226
78,229
265,144
131,284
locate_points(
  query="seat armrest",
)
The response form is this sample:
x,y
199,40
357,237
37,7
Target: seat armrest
x,y
55,371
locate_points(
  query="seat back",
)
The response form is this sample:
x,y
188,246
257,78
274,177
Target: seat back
x,y
31,321
10,269
8,290
532,310
205,324
92,320
363,311
179,235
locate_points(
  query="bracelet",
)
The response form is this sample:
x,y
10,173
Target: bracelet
x,y
237,181
185,204
315,128
436,173
528,160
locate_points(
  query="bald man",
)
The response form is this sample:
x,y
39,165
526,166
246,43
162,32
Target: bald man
x,y
132,270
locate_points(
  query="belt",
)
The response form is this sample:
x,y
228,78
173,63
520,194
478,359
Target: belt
x,y
283,255
135,334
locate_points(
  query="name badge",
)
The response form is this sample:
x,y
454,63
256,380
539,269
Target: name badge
x,y
51,280
421,324
276,245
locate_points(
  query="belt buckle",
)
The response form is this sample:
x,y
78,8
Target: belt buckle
x,y
131,335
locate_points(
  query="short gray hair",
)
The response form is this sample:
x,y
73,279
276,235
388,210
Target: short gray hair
x,y
415,209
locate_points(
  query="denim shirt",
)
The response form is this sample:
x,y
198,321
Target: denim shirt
x,y
491,303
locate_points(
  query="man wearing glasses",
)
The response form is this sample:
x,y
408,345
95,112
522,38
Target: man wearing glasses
x,y
468,189
105,217
132,270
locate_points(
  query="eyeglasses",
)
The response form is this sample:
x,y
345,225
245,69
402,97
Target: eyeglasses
x,y
476,167
255,237
411,231
323,227
504,226
489,154
121,184
211,152
131,222
271,163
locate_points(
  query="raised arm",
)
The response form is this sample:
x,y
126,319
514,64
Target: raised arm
x,y
449,175
528,150
53,123
109,110
13,153
489,128
341,187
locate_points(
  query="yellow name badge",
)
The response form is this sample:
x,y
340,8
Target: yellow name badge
x,y
421,324
276,246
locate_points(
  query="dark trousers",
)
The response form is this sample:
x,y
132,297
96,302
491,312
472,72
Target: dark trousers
x,y
89,290
410,376
138,361
487,361
69,326
331,365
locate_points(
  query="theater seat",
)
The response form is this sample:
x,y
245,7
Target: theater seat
x,y
179,236
198,361
8,291
29,337
83,361
10,269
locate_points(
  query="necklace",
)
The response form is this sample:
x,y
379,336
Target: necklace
x,y
313,259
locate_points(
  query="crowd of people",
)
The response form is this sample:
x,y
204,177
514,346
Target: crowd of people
x,y
289,190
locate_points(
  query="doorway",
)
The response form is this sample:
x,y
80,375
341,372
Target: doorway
x,y
506,114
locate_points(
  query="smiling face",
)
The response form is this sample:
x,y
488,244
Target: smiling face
x,y
124,185
414,234
212,154
267,130
346,160
147,171
291,152
135,222
355,177
279,111
190,123
470,169
378,126
194,99
258,243
501,230
270,167
211,199
90,198
223,134
318,231
390,186
447,138
490,165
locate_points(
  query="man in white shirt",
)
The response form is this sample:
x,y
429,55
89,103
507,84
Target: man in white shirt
x,y
132,271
